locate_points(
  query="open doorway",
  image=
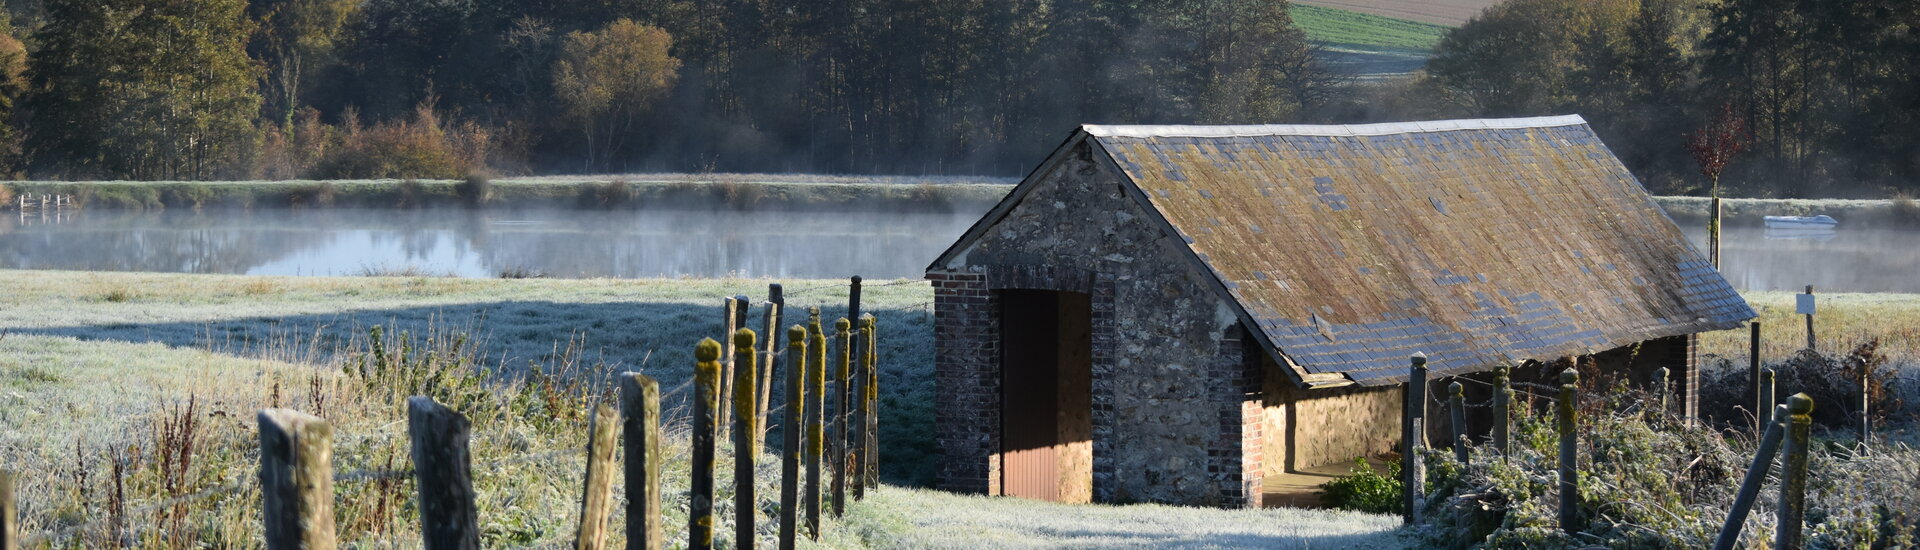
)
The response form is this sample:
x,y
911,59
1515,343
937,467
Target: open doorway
x,y
1046,380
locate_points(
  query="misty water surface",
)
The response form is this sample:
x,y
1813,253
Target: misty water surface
x,y
485,243
671,243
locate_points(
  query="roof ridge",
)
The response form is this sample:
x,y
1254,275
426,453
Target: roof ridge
x,y
1330,130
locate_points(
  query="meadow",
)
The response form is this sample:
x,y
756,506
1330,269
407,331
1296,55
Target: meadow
x,y
1334,27
95,367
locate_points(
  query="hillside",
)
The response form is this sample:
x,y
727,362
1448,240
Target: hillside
x,y
1450,13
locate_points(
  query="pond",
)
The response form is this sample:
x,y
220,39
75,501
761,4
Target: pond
x,y
487,243
709,243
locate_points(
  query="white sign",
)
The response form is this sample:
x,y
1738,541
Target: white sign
x,y
1804,304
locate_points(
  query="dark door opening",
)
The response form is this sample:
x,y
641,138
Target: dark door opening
x,y
1046,379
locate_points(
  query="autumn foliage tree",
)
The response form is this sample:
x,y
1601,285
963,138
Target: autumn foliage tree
x,y
609,79
1712,148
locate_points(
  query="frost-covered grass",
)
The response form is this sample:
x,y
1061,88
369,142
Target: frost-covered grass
x,y
92,360
1844,320
925,519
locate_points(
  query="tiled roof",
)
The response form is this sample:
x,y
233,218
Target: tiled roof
x,y
1476,242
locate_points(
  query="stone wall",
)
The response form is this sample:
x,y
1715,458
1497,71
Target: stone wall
x,y
1308,428
1176,411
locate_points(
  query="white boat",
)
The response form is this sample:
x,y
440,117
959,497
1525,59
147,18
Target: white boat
x,y
1801,222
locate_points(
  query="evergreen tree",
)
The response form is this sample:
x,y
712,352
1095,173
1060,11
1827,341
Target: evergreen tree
x,y
143,89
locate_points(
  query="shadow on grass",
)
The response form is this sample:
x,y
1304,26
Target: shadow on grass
x,y
656,338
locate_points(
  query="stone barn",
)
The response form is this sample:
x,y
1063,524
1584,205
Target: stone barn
x,y
1176,313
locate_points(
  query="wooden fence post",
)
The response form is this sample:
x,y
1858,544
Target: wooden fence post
x,y
746,440
1767,391
796,359
442,470
841,363
1457,403
706,398
858,446
1792,510
722,419
1502,396
1413,475
9,513
1753,381
772,315
596,499
296,480
1750,484
640,405
1661,388
1809,298
873,402
816,418
1569,451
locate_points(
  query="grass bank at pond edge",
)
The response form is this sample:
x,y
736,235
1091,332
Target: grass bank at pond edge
x,y
743,191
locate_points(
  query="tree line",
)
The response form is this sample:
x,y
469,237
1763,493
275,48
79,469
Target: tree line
x,y
204,89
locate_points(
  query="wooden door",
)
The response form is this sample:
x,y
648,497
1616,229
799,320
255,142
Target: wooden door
x,y
1046,449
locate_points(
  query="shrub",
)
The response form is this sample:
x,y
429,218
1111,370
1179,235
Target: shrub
x,y
312,194
476,190
607,194
1365,490
409,193
187,194
6,196
1905,210
1835,381
421,147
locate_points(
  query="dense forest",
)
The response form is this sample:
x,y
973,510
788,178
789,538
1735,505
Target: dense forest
x,y
1823,93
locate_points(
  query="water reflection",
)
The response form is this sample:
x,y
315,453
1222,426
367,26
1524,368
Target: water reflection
x,y
668,243
1840,260
563,243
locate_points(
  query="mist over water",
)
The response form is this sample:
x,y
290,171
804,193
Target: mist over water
x,y
713,243
484,243
1859,259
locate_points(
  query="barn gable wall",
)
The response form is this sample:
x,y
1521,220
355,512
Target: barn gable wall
x,y
1176,390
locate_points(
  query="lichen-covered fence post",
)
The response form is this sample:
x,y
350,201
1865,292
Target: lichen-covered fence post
x,y
706,398
1457,405
796,359
1413,472
816,418
1502,418
1569,450
596,499
746,440
1760,410
296,481
873,403
640,407
443,475
1792,510
1660,388
843,340
1750,484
